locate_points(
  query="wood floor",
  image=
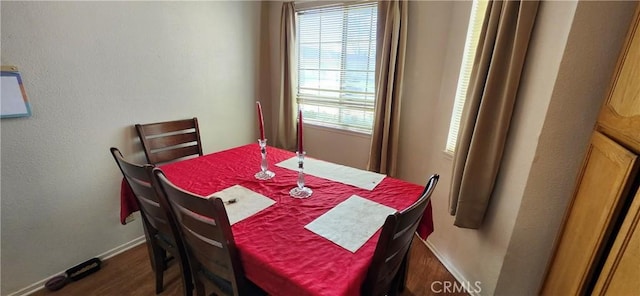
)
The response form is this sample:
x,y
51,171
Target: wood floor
x,y
130,274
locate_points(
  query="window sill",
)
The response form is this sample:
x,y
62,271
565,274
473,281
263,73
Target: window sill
x,y
447,155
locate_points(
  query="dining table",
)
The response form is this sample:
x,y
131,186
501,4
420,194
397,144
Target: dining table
x,y
278,249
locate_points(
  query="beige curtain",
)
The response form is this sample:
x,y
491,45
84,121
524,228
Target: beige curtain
x,y
287,106
487,112
390,56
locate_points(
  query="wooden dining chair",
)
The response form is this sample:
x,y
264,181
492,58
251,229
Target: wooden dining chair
x,y
170,140
211,249
160,229
386,275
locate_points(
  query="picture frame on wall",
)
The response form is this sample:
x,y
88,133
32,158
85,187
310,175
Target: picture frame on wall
x,y
13,97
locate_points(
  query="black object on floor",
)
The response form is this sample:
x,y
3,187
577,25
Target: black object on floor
x,y
84,269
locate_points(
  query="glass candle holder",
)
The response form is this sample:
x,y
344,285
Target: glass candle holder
x,y
300,191
264,173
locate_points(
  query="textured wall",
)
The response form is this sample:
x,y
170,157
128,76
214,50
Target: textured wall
x,y
91,70
431,31
343,147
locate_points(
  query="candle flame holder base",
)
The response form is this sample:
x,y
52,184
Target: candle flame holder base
x,y
264,173
300,191
303,192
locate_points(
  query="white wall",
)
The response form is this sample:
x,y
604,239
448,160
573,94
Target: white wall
x,y
343,147
433,40
91,70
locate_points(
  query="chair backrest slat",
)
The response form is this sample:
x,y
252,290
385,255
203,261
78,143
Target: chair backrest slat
x,y
394,242
205,229
153,129
166,141
402,241
175,153
172,140
150,206
409,219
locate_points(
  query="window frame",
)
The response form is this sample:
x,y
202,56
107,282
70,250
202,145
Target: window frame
x,y
364,100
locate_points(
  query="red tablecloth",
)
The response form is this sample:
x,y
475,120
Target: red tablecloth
x,y
128,204
277,252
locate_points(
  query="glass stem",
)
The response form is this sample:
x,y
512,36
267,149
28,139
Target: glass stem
x,y
264,165
300,181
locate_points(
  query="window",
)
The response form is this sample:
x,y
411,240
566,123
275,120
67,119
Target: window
x,y
336,65
471,44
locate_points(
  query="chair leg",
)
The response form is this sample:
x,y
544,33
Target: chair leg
x,y
187,282
394,289
199,288
402,274
159,258
159,276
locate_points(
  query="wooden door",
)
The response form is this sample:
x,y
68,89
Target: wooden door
x,y
602,185
621,272
620,115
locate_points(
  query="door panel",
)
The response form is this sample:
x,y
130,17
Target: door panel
x,y
601,188
620,115
621,272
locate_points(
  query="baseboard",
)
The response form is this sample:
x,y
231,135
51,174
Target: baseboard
x,y
35,287
452,269
122,248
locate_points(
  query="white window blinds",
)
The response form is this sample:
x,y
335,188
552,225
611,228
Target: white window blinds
x,y
470,47
336,65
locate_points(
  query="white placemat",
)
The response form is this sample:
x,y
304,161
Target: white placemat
x,y
246,203
335,172
351,223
